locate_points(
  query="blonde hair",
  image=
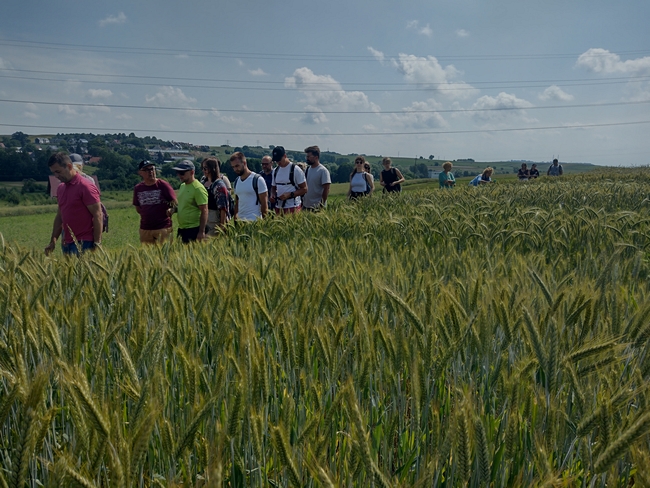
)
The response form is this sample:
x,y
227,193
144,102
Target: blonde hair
x,y
447,165
488,170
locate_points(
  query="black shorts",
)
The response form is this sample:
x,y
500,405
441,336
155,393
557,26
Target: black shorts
x,y
188,235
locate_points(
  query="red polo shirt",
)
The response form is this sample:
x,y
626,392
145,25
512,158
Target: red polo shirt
x,y
74,197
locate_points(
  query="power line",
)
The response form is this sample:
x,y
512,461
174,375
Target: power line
x,y
383,112
315,134
280,56
319,83
460,86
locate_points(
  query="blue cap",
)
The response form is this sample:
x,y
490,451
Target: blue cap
x,y
185,165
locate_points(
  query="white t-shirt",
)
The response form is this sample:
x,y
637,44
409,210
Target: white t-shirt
x,y
284,185
358,183
244,192
316,178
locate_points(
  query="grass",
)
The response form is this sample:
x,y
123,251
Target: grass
x,y
481,336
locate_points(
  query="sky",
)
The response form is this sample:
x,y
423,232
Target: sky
x,y
487,80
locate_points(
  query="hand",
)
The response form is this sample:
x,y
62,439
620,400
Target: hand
x,y
201,235
50,247
284,196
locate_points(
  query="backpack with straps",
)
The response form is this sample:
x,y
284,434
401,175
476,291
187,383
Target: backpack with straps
x,y
256,178
291,180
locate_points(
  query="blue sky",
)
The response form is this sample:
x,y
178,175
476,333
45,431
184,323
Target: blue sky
x,y
457,79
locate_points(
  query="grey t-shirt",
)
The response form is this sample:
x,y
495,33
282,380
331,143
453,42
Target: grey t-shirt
x,y
316,178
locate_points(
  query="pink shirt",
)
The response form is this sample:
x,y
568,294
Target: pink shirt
x,y
74,197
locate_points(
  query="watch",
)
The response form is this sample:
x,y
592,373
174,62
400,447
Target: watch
x,y
293,195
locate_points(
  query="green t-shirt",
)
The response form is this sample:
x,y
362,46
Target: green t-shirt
x,y
189,198
444,177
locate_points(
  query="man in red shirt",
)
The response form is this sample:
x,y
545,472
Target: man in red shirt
x,y
80,211
154,200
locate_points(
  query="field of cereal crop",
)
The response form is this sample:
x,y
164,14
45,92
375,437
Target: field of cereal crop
x,y
477,337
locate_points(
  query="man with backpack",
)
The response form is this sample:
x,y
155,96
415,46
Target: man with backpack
x,y
555,169
79,209
318,181
289,184
251,194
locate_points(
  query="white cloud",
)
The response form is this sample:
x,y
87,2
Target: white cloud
x,y
236,121
99,93
428,73
2,64
196,113
168,95
182,56
462,33
415,25
323,90
84,112
123,117
379,56
314,116
257,72
99,108
556,93
113,19
30,115
503,106
419,115
241,63
603,61
67,110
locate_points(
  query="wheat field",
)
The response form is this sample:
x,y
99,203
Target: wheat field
x,y
477,337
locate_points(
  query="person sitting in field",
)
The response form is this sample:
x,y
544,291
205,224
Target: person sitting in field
x,y
446,178
523,173
534,172
483,178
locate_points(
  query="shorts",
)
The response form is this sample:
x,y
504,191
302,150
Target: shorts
x,y
290,210
156,236
357,194
188,235
74,248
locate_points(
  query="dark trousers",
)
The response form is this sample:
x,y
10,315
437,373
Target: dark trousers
x,y
188,235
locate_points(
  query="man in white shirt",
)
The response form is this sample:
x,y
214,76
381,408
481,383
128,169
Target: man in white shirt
x,y
289,184
251,194
318,181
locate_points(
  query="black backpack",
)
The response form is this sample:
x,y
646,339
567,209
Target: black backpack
x,y
256,178
291,171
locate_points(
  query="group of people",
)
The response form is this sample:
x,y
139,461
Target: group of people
x,y
524,174
204,206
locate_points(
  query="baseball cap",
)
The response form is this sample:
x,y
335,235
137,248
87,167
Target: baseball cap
x,y
185,165
278,153
76,159
144,163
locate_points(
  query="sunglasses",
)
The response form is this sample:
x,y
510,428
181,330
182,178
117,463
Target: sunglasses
x,y
149,169
358,162
181,172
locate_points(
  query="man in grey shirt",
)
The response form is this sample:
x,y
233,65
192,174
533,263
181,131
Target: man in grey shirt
x,y
318,181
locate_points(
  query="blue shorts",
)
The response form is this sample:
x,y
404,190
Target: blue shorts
x,y
72,248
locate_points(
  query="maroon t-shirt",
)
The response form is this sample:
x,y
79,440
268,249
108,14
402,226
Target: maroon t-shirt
x,y
74,197
154,201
